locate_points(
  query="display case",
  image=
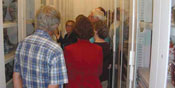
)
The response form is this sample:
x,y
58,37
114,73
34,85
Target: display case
x,y
150,46
120,43
10,35
16,22
143,43
154,57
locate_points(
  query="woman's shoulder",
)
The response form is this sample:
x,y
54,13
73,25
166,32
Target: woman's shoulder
x,y
103,44
97,46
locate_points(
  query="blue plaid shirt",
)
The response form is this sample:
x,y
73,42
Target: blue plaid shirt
x,y
40,62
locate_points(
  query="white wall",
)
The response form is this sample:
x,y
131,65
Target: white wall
x,y
70,9
85,6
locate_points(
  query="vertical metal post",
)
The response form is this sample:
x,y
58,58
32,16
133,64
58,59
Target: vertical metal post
x,y
132,41
114,45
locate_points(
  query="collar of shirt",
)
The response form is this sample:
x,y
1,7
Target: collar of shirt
x,y
83,41
43,34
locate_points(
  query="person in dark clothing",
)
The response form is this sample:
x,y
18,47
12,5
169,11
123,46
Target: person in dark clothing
x,y
70,37
101,32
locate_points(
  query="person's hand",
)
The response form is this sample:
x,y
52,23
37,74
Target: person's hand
x,y
116,67
56,34
110,66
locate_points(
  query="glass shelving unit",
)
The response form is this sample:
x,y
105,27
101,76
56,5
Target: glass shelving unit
x,y
17,23
10,35
143,43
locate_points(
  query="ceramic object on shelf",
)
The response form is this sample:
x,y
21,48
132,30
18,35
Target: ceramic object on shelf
x,y
9,71
4,11
8,46
13,10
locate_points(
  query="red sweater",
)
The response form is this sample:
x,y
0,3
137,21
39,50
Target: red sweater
x,y
84,64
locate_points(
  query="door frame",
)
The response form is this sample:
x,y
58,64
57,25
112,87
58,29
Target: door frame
x,y
160,43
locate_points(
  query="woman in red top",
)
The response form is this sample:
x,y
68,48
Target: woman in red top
x,y
83,59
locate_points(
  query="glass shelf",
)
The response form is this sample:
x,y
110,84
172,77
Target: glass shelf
x,y
10,82
169,84
144,75
147,25
9,57
9,72
10,36
30,21
9,24
10,43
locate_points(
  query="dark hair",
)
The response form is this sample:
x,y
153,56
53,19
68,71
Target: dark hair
x,y
101,28
83,28
79,16
103,10
73,22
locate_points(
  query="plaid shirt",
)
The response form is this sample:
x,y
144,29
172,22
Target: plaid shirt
x,y
40,62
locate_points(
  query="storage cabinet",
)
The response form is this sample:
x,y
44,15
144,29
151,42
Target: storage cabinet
x,y
148,45
16,23
10,35
153,56
143,43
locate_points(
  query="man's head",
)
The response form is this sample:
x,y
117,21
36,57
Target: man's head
x,y
97,15
47,18
69,26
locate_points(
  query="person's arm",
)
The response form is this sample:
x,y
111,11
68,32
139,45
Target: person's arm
x,y
58,71
17,81
58,36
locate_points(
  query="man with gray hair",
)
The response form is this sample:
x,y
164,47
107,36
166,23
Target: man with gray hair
x,y
96,15
39,61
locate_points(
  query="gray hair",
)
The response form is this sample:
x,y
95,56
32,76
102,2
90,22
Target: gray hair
x,y
97,13
47,17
